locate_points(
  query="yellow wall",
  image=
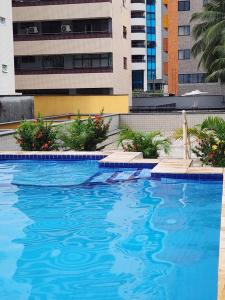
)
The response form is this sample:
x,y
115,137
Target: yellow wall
x,y
58,105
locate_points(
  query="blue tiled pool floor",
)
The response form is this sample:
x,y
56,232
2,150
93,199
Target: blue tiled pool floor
x,y
66,232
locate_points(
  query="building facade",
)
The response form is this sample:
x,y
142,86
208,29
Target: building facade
x,y
184,75
146,36
72,47
7,79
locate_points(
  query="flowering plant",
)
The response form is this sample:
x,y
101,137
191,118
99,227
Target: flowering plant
x,y
85,135
209,141
36,136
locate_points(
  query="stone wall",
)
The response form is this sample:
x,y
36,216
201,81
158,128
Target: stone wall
x,y
15,108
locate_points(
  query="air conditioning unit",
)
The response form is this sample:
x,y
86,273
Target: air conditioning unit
x,y
32,30
66,28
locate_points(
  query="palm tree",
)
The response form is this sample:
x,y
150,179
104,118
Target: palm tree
x,y
150,144
209,34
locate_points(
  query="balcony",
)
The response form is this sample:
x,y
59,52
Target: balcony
x,y
61,36
137,14
63,64
137,29
21,3
55,70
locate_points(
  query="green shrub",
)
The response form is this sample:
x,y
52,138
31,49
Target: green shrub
x,y
38,136
148,143
85,135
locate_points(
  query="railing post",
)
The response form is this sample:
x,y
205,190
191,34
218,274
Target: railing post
x,y
185,136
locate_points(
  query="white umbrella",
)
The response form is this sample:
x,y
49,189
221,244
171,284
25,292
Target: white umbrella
x,y
194,93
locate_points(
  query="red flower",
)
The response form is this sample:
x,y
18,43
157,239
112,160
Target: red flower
x,y
45,147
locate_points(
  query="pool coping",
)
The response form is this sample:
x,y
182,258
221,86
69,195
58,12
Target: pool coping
x,y
161,168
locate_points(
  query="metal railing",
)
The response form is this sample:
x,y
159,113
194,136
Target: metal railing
x,y
186,138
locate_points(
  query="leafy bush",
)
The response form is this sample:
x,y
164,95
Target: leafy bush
x,y
39,136
85,135
148,143
210,141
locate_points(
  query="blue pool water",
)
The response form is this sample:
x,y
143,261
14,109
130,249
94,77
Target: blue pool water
x,y
69,230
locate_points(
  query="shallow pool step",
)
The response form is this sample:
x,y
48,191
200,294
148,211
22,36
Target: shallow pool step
x,y
110,177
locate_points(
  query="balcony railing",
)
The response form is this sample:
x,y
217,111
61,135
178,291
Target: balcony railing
x,y
18,3
61,36
137,1
138,60
137,30
55,70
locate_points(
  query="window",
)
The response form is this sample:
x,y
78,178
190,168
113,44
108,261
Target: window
x,y
2,20
4,69
184,54
151,30
138,79
184,30
137,14
125,63
124,32
151,44
28,59
138,28
138,44
183,5
191,78
138,58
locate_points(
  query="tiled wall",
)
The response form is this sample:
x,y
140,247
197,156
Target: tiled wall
x,y
166,123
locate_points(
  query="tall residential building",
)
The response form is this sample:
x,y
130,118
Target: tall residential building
x,y
72,47
184,75
147,37
7,80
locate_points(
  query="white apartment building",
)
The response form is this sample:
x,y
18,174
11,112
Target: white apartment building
x,y
72,47
7,78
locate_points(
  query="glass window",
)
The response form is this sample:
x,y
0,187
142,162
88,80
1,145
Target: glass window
x,y
86,61
184,54
184,30
183,5
96,61
77,61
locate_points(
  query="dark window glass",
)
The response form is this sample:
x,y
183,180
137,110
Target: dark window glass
x,y
184,54
184,30
138,79
183,5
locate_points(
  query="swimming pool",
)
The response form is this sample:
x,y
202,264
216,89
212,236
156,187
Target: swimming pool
x,y
72,230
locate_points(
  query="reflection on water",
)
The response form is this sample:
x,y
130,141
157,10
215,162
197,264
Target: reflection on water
x,y
143,240
136,243
12,223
